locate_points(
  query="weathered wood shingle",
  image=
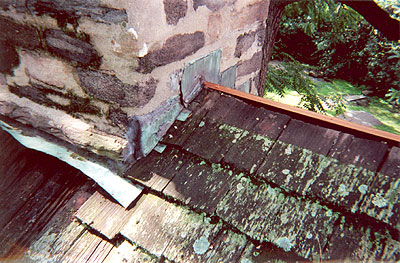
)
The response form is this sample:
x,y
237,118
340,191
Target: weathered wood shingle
x,y
383,200
236,182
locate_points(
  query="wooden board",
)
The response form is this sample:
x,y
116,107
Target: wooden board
x,y
391,166
128,253
289,167
82,249
54,244
200,185
309,136
231,111
268,123
212,140
61,230
166,229
157,169
383,200
309,114
353,242
360,152
103,215
248,152
101,253
268,252
29,221
22,190
266,214
306,173
228,247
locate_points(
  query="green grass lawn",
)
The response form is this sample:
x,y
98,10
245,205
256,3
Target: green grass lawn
x,y
337,87
381,109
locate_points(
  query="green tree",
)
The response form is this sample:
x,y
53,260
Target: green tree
x,y
340,42
374,14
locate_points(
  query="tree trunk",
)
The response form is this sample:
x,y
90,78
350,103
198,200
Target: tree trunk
x,y
275,11
377,17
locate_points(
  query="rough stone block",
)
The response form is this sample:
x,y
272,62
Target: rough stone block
x,y
51,98
244,42
47,71
71,48
210,4
175,10
249,66
109,88
174,49
118,117
19,35
18,5
72,10
8,57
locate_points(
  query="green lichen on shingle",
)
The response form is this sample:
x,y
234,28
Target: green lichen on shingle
x,y
201,245
353,241
169,230
267,143
302,171
284,243
267,214
383,200
200,184
247,150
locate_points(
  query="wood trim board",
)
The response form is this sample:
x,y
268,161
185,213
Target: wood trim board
x,y
386,136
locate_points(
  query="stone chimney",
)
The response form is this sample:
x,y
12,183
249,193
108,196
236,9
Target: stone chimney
x,y
106,79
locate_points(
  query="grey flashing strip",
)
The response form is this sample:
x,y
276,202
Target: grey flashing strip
x,y
121,190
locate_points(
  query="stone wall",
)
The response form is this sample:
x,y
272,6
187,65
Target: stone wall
x,y
110,77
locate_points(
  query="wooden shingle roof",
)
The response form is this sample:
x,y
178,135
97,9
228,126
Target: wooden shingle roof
x,y
236,181
276,179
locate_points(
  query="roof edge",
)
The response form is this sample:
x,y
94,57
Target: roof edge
x,y
338,123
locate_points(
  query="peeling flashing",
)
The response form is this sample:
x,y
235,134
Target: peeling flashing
x,y
123,191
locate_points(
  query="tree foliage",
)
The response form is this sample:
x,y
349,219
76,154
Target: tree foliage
x,y
291,77
339,42
391,6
